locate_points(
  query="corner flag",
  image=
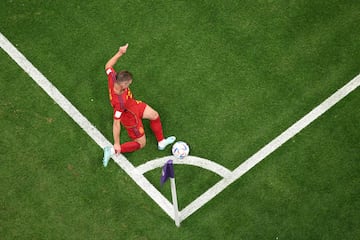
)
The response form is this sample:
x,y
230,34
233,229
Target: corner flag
x,y
168,172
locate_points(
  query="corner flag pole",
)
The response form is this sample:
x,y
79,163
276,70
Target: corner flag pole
x,y
168,172
175,202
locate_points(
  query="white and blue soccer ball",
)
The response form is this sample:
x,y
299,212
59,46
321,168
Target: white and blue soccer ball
x,y
180,150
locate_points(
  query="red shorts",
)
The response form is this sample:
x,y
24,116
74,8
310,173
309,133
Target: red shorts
x,y
131,119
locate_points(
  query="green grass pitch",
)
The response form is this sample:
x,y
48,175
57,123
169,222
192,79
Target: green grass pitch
x,y
226,77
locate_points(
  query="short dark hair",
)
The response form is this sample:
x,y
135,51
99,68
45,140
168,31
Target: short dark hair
x,y
123,76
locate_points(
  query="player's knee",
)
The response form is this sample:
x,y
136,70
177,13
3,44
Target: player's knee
x,y
155,115
142,144
150,113
141,141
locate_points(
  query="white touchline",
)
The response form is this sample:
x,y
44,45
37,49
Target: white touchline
x,y
136,173
272,146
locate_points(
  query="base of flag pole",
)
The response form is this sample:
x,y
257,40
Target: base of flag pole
x,y
175,203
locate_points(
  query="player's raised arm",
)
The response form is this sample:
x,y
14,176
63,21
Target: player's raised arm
x,y
112,61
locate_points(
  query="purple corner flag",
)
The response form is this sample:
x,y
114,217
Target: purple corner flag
x,y
167,172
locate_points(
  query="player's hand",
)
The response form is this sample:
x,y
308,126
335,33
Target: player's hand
x,y
117,148
123,49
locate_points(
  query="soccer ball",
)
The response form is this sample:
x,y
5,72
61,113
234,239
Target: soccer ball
x,y
180,150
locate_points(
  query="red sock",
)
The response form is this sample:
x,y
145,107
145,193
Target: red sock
x,y
156,127
129,147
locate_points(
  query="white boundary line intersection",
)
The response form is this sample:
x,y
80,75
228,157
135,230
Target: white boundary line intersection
x,y
137,173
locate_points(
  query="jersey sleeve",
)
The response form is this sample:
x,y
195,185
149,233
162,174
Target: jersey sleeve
x,y
111,74
117,114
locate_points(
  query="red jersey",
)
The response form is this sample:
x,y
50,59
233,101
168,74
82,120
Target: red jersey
x,y
118,102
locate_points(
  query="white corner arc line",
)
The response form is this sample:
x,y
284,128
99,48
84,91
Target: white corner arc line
x,y
84,123
189,160
272,146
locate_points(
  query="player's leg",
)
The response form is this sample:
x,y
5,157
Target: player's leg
x,y
141,141
156,126
133,124
131,146
155,123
